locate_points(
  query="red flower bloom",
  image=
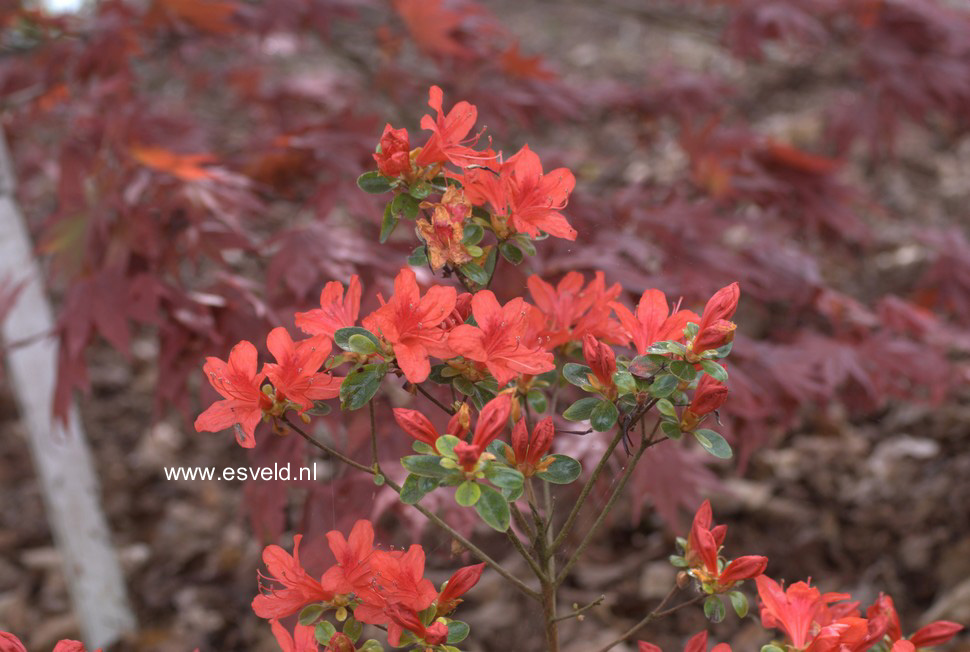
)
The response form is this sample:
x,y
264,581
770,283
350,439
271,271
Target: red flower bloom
x,y
571,310
394,159
299,589
296,374
602,361
697,643
239,384
444,230
521,193
411,322
709,396
714,329
491,422
801,610
396,579
302,640
703,546
352,572
528,451
434,634
654,322
448,138
420,427
500,339
336,311
461,581
936,633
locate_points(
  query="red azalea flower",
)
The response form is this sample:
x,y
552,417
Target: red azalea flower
x,y
302,640
403,618
336,311
296,374
521,193
602,361
491,422
397,579
444,230
527,452
715,330
697,643
420,427
394,159
352,572
500,340
244,401
936,633
299,589
448,138
571,310
703,547
709,396
654,321
800,610
411,323
460,583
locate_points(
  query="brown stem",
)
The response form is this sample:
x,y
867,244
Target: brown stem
x,y
578,611
658,612
431,398
431,516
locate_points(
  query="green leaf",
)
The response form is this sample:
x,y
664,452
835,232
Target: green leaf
x,y
667,347
714,609
678,561
353,628
464,385
324,631
475,273
664,386
713,443
457,631
667,409
359,388
646,365
468,493
537,400
420,190
604,416
683,370
577,374
504,477
373,182
361,344
406,206
625,382
426,465
319,409
494,509
412,491
311,614
511,253
342,337
472,235
581,409
388,223
714,370
422,448
740,603
418,257
523,242
563,470
671,429
379,479
474,251
771,648
446,445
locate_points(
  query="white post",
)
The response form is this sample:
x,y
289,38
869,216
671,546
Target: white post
x,y
60,453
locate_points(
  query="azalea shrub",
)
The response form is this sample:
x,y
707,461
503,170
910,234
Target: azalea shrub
x,y
507,377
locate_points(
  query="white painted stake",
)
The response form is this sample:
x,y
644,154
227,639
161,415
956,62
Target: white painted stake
x,y
60,454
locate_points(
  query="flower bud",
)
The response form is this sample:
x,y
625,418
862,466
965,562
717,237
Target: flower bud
x,y
340,642
492,420
460,583
520,441
600,358
416,424
542,436
394,159
460,423
468,455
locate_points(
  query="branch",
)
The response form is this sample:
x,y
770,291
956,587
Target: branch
x,y
431,398
431,516
644,445
653,615
578,611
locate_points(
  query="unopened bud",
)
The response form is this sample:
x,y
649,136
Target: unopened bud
x,y
683,579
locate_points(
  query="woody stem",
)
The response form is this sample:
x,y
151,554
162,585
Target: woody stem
x,y
658,612
431,398
431,516
645,443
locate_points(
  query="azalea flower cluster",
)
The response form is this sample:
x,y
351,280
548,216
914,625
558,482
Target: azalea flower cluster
x,y
366,585
811,621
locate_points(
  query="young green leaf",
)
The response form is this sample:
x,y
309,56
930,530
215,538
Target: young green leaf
x,y
563,470
373,182
713,443
493,509
581,409
359,388
603,416
468,493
